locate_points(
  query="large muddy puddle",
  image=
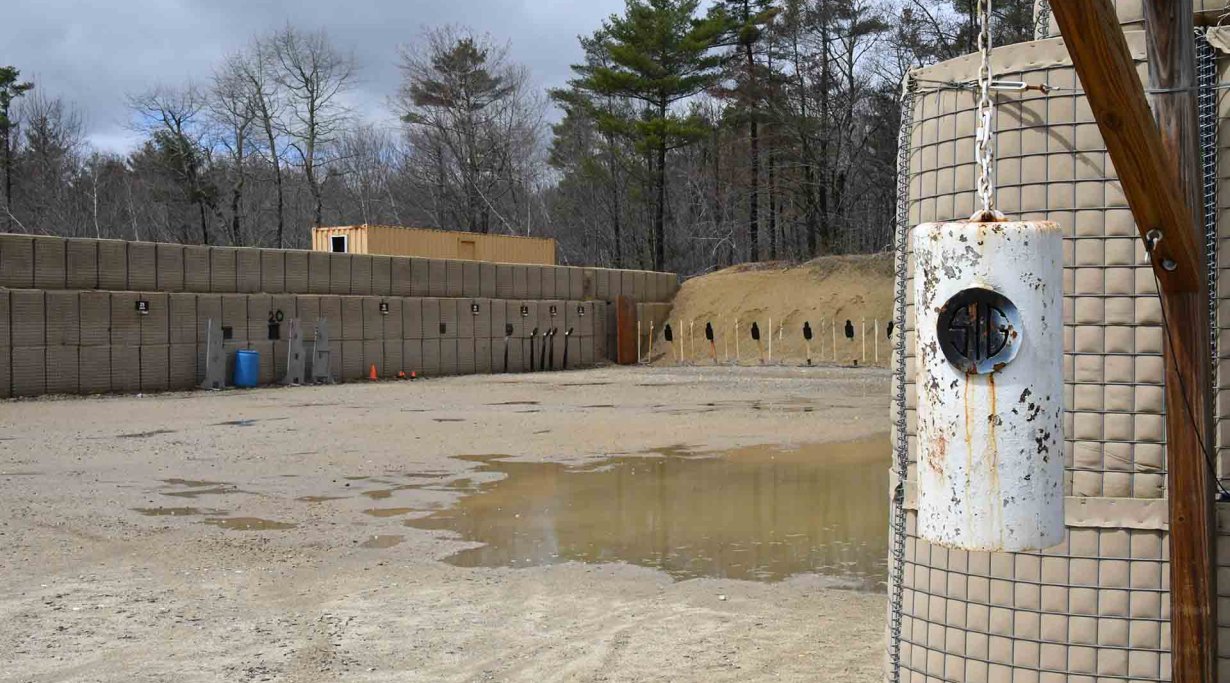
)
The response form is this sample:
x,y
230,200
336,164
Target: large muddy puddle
x,y
761,513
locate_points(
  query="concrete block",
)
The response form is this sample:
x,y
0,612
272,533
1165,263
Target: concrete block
x,y
196,269
515,357
411,319
63,318
504,281
307,308
283,307
585,319
588,345
449,318
392,322
352,318
437,278
112,265
260,310
641,285
235,318
466,362
482,320
448,357
533,282
295,272
627,285
520,281
29,364
248,270
465,318
16,261
222,264
155,325
181,318
548,311
576,284
155,367
373,319
412,355
181,367
471,279
50,262
382,275
331,310
208,307
339,273
549,281
400,276
94,318
81,264
420,277
486,280
61,370
267,369
563,283
94,369
392,358
572,318
273,271
373,352
27,318
170,267
602,286
126,369
142,266
431,319
455,282
650,288
498,315
482,356
615,279
6,337
352,360
319,272
361,274
431,358
589,283
335,360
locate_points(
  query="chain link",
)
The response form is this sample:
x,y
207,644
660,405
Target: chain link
x,y
983,150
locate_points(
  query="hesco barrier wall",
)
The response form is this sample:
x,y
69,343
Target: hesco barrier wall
x,y
69,318
1095,608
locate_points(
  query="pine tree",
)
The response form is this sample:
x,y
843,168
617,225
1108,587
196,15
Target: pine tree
x,y
10,89
745,22
660,53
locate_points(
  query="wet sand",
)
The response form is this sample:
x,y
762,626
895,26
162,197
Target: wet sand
x,y
312,534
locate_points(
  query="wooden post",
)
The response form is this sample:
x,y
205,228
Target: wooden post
x,y
1158,166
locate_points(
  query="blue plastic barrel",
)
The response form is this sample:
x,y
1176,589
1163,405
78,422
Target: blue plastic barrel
x,y
247,368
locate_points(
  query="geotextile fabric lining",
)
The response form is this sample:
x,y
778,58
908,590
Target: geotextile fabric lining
x,y
1096,607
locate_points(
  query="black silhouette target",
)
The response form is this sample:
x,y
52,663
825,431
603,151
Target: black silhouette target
x,y
667,333
807,331
979,330
849,330
755,332
709,331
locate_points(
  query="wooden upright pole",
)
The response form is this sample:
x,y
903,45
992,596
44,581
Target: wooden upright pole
x,y
1158,166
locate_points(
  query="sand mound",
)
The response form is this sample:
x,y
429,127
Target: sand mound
x,y
828,290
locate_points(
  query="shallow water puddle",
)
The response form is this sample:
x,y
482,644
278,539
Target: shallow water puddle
x,y
249,524
177,512
382,541
761,513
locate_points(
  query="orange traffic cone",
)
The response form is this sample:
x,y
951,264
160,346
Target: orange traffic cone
x,y
371,374
401,374
414,375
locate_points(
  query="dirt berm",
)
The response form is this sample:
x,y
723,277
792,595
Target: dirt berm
x,y
826,293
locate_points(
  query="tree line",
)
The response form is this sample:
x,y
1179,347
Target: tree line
x,y
688,138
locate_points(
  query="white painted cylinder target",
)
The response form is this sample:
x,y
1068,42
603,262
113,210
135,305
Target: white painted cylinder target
x,y
990,381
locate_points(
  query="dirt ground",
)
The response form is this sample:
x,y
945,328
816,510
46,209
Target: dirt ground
x,y
831,288
95,591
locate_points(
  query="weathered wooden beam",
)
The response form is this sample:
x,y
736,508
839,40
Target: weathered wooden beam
x,y
1158,166
1100,54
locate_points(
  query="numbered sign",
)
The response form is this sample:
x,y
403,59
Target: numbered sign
x,y
142,306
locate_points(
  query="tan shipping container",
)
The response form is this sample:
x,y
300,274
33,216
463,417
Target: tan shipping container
x,y
387,240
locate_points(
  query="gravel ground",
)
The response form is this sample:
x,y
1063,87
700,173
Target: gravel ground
x,y
94,590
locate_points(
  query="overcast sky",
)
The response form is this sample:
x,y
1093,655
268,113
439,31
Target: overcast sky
x,y
93,52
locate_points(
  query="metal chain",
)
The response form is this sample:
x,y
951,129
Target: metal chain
x,y
1206,101
902,447
983,151
1042,20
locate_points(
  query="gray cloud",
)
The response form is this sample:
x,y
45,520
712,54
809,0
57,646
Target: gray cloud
x,y
93,53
